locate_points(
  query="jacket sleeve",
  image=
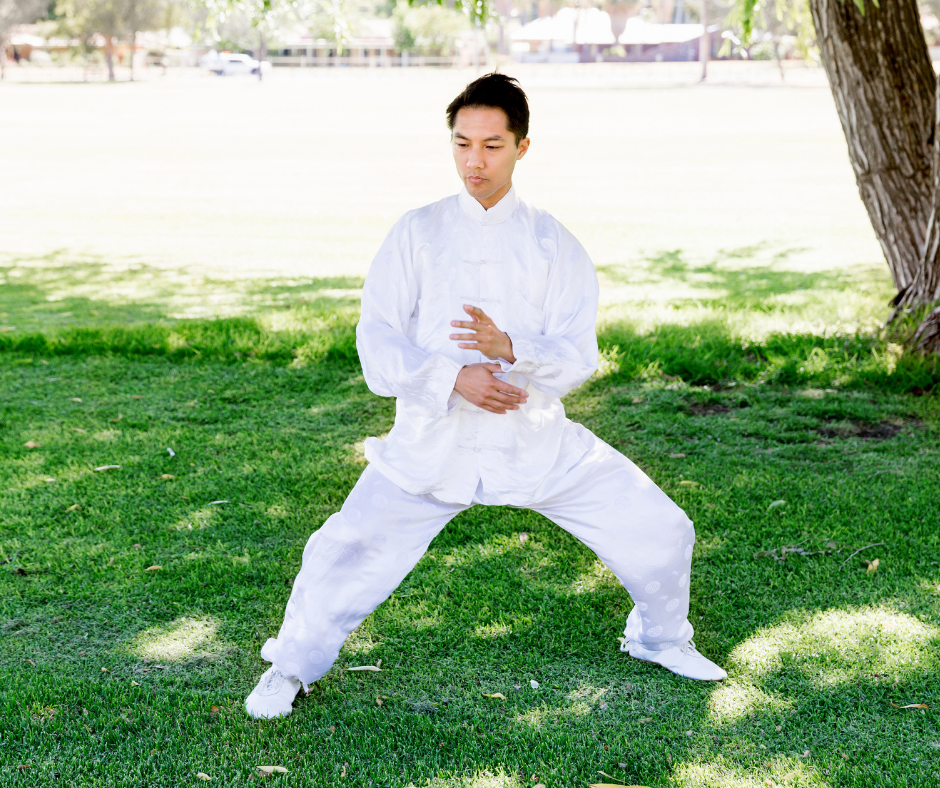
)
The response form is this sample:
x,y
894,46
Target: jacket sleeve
x,y
391,364
565,355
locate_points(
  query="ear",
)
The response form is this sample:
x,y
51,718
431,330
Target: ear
x,y
522,148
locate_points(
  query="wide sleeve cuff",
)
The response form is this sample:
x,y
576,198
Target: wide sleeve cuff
x,y
441,381
526,362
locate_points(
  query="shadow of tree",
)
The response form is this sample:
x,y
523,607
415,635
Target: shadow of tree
x,y
818,649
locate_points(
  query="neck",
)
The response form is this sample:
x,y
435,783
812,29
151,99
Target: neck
x,y
494,198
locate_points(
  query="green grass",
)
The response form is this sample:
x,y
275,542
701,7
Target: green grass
x,y
774,385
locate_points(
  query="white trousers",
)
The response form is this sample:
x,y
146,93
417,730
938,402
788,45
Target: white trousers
x,y
363,552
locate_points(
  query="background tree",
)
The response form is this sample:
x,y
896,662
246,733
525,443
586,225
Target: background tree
x,y
112,20
885,89
13,13
428,29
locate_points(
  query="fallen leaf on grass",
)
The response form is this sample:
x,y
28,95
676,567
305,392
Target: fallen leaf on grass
x,y
105,670
23,766
136,396
523,537
677,456
272,769
73,508
777,504
872,566
107,467
496,695
79,429
367,668
607,785
170,451
214,709
342,774
911,706
119,418
153,568
688,483
534,684
134,684
214,503
638,400
76,399
31,662
203,776
167,476
31,445
602,706
645,719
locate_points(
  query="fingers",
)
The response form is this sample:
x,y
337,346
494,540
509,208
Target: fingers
x,y
491,367
475,312
466,337
466,324
513,390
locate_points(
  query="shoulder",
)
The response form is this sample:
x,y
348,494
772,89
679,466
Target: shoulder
x,y
551,232
428,216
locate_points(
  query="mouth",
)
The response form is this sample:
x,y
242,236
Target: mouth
x,y
476,179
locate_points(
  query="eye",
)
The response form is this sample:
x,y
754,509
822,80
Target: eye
x,y
494,147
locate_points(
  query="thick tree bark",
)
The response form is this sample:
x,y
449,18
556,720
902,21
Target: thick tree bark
x,y
885,92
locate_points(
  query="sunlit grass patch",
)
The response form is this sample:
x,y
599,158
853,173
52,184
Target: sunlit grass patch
x,y
482,779
737,698
779,773
178,640
835,646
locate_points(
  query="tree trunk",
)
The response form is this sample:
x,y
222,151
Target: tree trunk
x,y
3,58
260,53
704,44
133,47
109,56
885,92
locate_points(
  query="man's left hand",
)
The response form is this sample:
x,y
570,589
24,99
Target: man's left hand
x,y
488,339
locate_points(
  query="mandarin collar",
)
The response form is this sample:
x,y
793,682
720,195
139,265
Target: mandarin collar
x,y
498,213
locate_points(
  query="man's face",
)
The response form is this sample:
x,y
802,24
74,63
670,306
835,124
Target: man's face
x,y
485,153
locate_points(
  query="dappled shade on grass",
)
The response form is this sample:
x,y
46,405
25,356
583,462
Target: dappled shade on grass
x,y
112,674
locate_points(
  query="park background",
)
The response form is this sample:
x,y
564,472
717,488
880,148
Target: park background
x,y
181,405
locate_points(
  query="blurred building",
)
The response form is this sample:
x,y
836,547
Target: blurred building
x,y
585,35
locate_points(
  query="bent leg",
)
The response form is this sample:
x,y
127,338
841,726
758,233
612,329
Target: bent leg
x,y
350,566
637,531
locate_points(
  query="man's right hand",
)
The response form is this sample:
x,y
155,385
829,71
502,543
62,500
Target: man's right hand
x,y
477,384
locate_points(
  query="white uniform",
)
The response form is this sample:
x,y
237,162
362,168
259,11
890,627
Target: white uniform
x,y
528,273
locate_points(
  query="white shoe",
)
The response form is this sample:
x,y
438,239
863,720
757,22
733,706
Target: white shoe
x,y
273,696
682,660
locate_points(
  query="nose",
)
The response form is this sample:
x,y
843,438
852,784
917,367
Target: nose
x,y
474,160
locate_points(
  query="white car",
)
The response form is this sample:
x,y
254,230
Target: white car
x,y
227,63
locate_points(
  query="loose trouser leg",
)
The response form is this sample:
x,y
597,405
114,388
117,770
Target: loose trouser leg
x,y
350,566
637,530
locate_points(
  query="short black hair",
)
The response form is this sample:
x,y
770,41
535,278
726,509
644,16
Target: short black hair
x,y
498,92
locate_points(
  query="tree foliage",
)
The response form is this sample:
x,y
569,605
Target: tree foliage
x,y
17,12
428,29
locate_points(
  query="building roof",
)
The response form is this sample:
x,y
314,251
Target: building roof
x,y
569,26
639,32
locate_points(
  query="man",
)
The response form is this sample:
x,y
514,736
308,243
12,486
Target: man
x,y
479,418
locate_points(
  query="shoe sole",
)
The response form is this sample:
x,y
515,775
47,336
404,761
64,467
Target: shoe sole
x,y
660,665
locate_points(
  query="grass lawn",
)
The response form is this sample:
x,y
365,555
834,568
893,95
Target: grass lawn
x,y
134,599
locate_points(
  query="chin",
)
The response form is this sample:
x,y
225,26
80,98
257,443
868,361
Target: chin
x,y
483,190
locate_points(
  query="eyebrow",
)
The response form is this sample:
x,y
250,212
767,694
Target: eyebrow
x,y
493,138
